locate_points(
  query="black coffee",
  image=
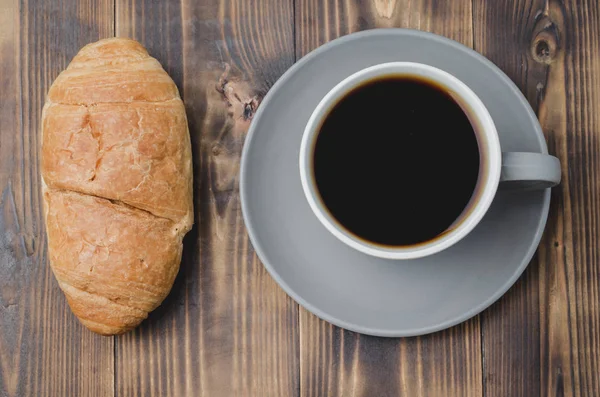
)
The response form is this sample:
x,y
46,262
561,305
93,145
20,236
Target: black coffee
x,y
396,161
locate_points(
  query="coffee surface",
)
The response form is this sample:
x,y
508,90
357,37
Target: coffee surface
x,y
396,161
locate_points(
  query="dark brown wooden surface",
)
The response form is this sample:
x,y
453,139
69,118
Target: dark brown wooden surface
x,y
543,337
227,329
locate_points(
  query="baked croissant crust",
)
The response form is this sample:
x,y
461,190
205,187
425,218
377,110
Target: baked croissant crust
x,y
117,183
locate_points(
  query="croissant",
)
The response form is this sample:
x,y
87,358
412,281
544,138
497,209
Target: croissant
x,y
116,167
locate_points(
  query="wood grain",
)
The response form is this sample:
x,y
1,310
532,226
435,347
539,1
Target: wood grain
x,y
43,348
226,329
543,337
320,21
342,363
336,362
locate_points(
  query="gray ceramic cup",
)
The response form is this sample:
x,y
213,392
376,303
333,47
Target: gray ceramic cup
x,y
513,169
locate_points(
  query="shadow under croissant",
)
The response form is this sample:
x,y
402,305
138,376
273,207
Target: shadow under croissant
x,y
177,296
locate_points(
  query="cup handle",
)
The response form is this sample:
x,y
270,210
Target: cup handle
x,y
529,171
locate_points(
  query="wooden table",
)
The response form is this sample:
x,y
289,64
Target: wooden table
x,y
227,329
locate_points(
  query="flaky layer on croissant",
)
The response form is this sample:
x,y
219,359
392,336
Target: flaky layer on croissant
x,y
117,183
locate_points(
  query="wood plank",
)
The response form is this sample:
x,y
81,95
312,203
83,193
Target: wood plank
x,y
543,337
226,329
44,351
510,328
335,362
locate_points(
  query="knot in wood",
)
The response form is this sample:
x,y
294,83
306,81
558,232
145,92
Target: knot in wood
x,y
545,44
251,106
544,51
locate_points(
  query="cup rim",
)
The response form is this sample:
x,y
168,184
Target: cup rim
x,y
487,138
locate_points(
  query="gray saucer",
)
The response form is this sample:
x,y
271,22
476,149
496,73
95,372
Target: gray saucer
x,y
353,290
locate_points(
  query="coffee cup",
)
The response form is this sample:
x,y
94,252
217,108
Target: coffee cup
x,y
402,160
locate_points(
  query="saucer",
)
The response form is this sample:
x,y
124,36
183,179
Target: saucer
x,y
350,289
